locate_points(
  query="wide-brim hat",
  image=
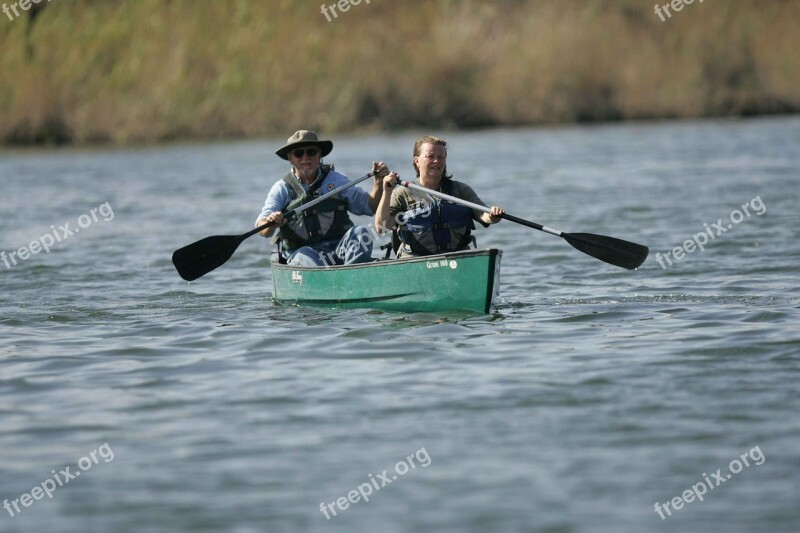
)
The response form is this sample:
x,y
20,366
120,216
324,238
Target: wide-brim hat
x,y
304,138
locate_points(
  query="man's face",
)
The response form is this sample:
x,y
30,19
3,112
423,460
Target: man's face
x,y
305,162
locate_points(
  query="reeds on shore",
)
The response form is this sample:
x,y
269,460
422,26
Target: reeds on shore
x,y
147,70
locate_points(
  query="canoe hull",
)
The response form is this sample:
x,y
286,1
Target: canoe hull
x,y
458,281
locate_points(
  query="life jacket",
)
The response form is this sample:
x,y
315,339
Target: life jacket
x,y
443,227
325,221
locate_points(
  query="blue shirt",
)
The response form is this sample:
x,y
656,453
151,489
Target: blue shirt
x,y
357,198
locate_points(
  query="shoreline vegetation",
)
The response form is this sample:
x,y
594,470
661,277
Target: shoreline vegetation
x,y
124,71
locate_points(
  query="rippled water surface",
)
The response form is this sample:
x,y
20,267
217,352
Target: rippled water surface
x,y
588,395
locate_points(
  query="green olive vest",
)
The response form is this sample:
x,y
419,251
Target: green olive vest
x,y
325,221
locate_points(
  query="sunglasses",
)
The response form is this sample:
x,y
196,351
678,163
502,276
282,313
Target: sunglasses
x,y
301,152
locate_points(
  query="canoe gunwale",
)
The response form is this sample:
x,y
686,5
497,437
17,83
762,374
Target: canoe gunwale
x,y
491,252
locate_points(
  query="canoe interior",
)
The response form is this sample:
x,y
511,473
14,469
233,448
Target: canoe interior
x,y
458,281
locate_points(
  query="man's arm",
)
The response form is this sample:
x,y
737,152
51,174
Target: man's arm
x,y
276,218
276,202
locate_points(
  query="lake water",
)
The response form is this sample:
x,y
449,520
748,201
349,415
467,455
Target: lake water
x,y
587,396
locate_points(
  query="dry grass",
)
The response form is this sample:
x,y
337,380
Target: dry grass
x,y
124,70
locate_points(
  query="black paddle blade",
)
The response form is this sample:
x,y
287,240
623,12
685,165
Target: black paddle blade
x,y
201,257
613,251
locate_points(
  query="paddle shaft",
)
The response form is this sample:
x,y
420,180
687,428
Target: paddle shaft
x,y
312,203
479,207
611,250
203,256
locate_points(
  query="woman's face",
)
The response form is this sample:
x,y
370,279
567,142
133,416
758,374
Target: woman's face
x,y
431,161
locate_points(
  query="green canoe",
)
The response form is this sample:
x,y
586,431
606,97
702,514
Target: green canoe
x,y
465,281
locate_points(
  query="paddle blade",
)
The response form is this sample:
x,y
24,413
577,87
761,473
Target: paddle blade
x,y
201,257
613,251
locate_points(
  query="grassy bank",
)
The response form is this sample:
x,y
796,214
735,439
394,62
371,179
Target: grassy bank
x,y
123,70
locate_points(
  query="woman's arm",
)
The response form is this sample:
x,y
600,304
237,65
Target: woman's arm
x,y
376,195
493,217
383,218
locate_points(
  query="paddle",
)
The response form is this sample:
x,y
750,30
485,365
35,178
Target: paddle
x,y
201,257
613,251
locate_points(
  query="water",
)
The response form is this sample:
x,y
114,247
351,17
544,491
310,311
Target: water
x,y
590,394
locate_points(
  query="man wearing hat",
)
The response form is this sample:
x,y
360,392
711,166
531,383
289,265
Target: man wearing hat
x,y
323,235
